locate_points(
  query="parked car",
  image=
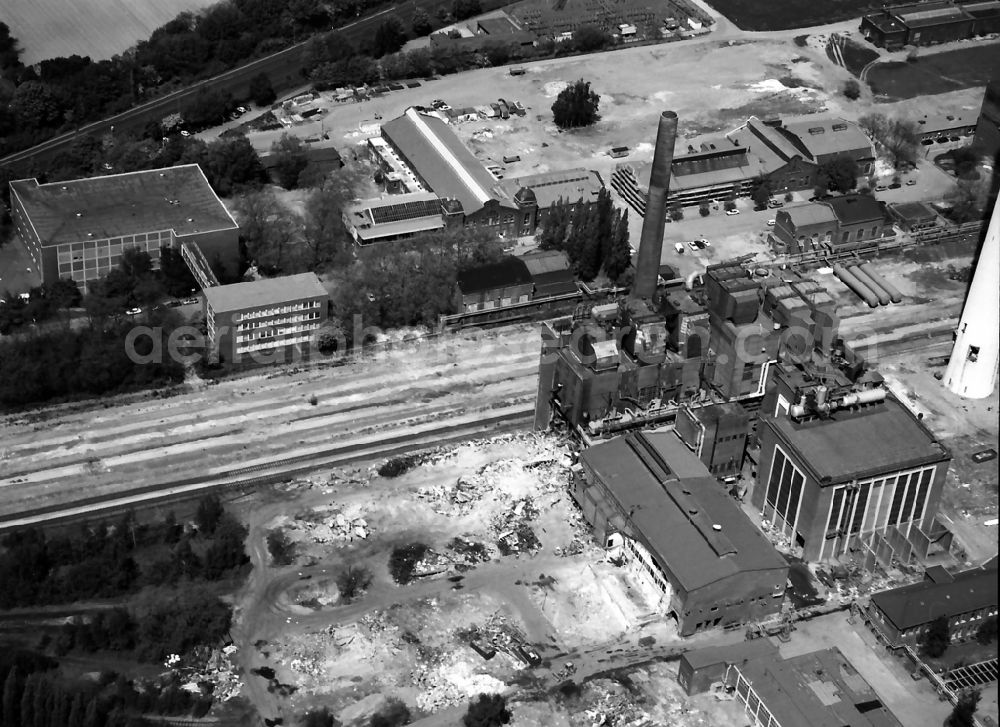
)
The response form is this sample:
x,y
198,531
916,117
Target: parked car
x,y
881,188
517,71
133,311
910,182
771,223
984,455
518,109
679,247
191,301
732,212
895,185
774,203
185,132
173,304
694,245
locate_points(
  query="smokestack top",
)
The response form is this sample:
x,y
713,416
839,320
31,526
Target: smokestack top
x,y
668,115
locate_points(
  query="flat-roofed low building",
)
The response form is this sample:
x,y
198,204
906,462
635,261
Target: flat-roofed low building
x,y
79,228
946,125
263,320
495,285
818,689
901,615
921,23
689,547
550,272
913,216
394,217
700,668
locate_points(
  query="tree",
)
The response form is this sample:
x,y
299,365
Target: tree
x,y
227,550
589,38
395,713
987,631
761,189
965,160
36,104
965,709
576,106
676,212
290,160
935,639
269,230
488,710
852,89
703,209
462,9
210,512
967,200
390,36
10,707
10,51
324,233
421,23
839,174
208,108
619,257
403,560
261,91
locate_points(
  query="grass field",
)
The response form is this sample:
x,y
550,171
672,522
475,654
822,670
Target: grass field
x,y
95,28
937,73
789,14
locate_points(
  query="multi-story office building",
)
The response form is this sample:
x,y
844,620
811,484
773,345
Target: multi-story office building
x,y
79,228
257,321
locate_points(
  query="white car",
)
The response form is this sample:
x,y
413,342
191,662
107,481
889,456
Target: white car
x,y
133,311
770,223
732,212
185,132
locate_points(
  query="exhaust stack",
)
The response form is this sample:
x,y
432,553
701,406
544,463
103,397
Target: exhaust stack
x,y
647,266
972,370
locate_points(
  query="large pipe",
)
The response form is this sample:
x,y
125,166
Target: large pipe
x,y
894,295
972,368
647,265
865,279
855,285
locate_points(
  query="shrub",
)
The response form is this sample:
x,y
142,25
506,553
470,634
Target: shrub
x,y
352,581
313,400
282,549
395,713
398,466
488,710
852,89
676,213
403,560
935,640
703,209
789,197
987,631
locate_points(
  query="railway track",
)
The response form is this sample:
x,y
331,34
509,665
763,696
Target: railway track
x,y
279,470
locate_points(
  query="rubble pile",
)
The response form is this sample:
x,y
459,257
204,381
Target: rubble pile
x,y
613,706
451,682
470,552
327,526
513,531
222,672
432,563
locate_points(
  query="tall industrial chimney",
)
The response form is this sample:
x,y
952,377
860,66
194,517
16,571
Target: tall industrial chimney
x,y
647,266
972,370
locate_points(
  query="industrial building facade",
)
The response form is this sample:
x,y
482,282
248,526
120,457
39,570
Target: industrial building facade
x,y
79,228
257,321
842,469
900,616
931,22
787,153
840,224
685,541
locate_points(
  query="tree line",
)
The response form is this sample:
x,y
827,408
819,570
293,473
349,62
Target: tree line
x,y
110,560
594,236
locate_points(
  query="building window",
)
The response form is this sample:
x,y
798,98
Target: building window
x,y
861,234
846,236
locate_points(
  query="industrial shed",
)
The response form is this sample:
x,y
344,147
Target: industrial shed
x,y
688,545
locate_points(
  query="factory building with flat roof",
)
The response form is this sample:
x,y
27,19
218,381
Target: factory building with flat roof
x,y
687,544
926,23
818,689
264,320
844,465
79,228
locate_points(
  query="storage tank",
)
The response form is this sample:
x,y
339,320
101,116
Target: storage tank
x,y
883,297
859,288
888,287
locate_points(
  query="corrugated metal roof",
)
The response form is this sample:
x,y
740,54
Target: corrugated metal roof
x,y
919,603
830,135
810,214
153,200
660,482
442,160
264,293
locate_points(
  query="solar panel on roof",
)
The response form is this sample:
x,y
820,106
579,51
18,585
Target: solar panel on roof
x,y
405,211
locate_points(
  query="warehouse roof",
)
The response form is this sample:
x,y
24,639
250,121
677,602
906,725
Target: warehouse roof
x,y
913,211
924,14
264,292
985,9
506,272
691,526
810,214
442,160
569,185
829,135
848,444
819,689
729,653
154,200
920,603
